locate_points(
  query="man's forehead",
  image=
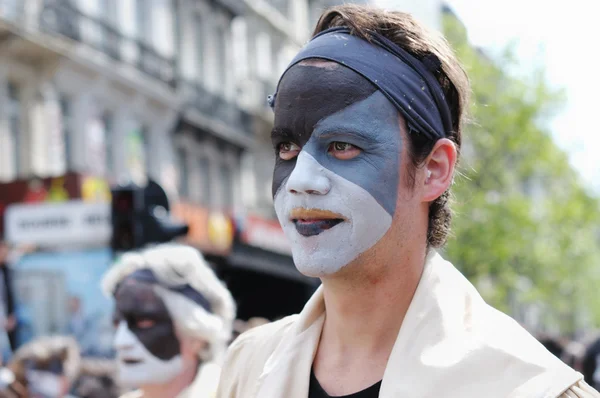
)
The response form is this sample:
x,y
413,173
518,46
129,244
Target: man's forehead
x,y
133,293
309,93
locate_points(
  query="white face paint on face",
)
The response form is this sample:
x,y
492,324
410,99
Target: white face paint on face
x,y
44,384
137,366
312,186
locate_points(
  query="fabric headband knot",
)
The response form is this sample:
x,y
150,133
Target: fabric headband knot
x,y
409,83
146,275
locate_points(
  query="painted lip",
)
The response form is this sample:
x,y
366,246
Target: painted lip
x,y
131,361
311,222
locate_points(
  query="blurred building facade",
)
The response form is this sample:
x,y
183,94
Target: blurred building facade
x,y
126,90
113,91
91,88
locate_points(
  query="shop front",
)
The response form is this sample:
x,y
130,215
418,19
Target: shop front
x,y
71,186
65,223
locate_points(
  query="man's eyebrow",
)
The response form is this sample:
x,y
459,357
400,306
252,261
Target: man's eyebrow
x,y
281,133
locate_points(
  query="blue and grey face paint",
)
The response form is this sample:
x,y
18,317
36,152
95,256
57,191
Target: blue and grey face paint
x,y
334,209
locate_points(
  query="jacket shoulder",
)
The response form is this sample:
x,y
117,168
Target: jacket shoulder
x,y
247,356
132,394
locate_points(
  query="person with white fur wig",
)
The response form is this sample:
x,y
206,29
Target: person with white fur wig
x,y
174,318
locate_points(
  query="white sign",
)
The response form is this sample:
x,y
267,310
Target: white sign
x,y
55,224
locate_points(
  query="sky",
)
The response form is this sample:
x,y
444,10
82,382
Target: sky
x,y
569,34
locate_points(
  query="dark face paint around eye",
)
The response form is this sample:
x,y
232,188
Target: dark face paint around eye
x,y
147,318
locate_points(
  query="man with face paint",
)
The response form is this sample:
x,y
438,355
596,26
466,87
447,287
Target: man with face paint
x,y
46,367
368,120
174,319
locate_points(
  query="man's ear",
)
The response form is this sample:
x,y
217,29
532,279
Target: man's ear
x,y
439,169
191,346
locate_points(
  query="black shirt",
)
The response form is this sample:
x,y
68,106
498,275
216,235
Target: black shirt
x,y
316,391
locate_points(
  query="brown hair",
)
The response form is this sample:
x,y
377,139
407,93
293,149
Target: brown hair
x,y
45,349
408,33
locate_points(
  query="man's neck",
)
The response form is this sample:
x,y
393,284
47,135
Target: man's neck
x,y
362,305
364,312
174,387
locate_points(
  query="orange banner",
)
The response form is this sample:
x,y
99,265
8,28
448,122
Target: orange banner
x,y
210,231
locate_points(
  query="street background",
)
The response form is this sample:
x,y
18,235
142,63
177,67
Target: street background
x,y
95,93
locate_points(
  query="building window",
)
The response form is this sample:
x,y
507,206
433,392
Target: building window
x,y
199,64
221,58
239,45
183,172
143,20
109,35
264,56
147,148
109,137
108,9
204,173
14,125
226,187
11,9
65,114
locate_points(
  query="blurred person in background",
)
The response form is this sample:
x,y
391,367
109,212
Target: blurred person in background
x,y
591,364
174,318
553,345
255,322
240,326
8,320
80,327
45,368
10,387
367,131
573,356
77,324
97,379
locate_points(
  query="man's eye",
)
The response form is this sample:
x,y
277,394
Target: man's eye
x,y
144,323
341,146
288,150
343,150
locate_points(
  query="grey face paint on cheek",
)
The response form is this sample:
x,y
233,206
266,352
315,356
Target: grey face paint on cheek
x,y
372,125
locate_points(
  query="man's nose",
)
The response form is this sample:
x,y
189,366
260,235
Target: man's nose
x,y
124,338
308,177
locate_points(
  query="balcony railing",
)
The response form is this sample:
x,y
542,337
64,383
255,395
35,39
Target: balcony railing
x,y
217,107
66,19
12,10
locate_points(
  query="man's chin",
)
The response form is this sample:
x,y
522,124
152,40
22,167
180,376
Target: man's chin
x,y
128,380
313,268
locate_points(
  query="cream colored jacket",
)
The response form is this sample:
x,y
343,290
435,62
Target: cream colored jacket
x,y
204,385
451,344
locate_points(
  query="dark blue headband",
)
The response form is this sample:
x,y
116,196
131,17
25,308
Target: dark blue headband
x,y
146,275
406,81
53,365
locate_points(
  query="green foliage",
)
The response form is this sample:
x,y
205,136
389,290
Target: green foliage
x,y
525,229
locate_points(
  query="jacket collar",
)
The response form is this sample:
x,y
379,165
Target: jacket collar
x,y
205,384
451,344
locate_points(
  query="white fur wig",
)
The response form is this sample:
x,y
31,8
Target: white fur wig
x,y
46,347
174,265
